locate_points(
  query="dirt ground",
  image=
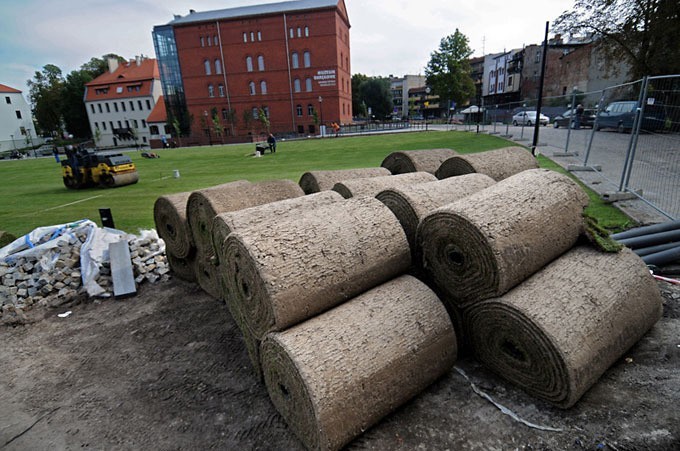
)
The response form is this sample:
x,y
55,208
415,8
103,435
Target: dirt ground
x,y
167,369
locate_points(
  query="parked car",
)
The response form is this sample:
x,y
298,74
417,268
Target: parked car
x,y
568,117
621,116
528,118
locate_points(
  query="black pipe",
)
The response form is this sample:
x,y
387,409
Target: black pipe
x,y
651,240
640,231
664,257
541,82
654,249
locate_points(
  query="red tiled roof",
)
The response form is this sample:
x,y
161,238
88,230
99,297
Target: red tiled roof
x,y
127,74
5,88
158,114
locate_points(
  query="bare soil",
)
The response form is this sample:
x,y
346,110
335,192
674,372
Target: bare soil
x,y
167,369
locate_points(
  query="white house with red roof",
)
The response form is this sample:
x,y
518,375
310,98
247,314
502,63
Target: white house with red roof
x,y
16,122
119,102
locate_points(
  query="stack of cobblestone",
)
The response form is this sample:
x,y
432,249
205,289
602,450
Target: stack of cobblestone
x,y
54,278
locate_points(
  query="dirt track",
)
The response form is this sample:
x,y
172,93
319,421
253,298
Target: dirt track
x,y
167,369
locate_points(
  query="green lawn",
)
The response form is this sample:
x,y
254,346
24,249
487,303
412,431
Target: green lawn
x,y
33,194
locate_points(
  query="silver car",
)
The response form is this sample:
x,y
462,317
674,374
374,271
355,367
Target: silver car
x,y
528,118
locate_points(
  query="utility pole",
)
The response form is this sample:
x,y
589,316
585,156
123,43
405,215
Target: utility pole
x,y
539,104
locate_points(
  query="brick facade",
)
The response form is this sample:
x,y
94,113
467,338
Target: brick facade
x,y
289,63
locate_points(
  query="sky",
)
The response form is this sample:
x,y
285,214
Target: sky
x,y
387,37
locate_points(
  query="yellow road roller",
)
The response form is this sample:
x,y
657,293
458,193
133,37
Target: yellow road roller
x,y
84,168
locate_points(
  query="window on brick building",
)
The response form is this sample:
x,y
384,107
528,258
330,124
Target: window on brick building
x,y
299,32
252,37
211,91
259,36
291,33
225,114
308,84
215,40
251,87
220,89
296,85
260,63
263,87
298,110
295,60
307,58
206,65
310,110
209,41
202,42
245,37
341,59
306,32
255,115
249,63
218,66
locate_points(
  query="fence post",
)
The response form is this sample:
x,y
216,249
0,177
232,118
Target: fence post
x,y
592,132
572,109
634,133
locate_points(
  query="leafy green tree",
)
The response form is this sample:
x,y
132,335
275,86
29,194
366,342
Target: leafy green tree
x,y
72,105
45,93
644,33
264,120
376,94
448,72
357,79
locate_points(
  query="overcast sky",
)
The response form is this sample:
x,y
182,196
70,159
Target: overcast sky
x,y
387,36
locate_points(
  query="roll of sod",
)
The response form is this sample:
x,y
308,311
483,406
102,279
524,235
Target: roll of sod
x,y
204,205
311,262
558,332
316,181
484,244
170,217
373,185
183,268
262,217
497,164
411,203
425,160
337,374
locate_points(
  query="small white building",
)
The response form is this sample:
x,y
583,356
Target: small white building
x,y
400,87
119,102
16,123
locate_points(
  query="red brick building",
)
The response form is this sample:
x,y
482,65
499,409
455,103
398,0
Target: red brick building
x,y
226,73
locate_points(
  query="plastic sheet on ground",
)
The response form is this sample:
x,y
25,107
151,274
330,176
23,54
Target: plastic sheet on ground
x,y
43,244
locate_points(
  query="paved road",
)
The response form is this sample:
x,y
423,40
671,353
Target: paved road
x,y
655,174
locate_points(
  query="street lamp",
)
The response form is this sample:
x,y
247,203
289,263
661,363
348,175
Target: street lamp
x,y
205,115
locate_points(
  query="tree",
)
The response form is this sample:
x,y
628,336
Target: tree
x,y
45,93
357,79
72,106
264,119
448,72
645,33
375,93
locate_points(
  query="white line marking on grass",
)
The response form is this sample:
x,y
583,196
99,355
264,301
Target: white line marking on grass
x,y
73,203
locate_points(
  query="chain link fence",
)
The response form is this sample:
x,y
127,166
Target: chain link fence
x,y
629,134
